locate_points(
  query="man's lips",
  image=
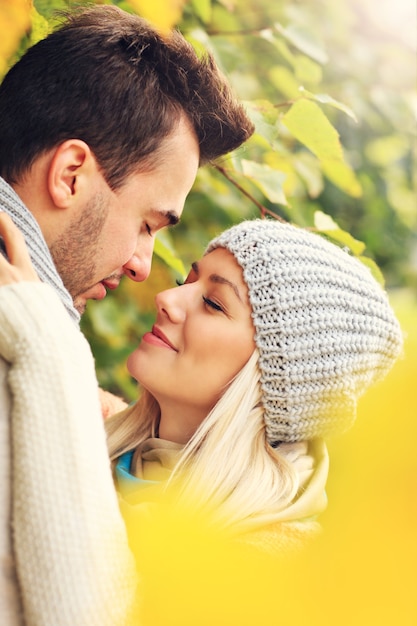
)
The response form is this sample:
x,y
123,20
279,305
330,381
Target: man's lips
x,y
97,292
111,283
157,338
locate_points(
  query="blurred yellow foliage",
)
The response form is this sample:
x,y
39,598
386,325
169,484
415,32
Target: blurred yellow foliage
x,y
14,21
164,14
361,571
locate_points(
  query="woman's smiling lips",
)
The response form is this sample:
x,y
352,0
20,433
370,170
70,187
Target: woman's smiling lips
x,y
157,338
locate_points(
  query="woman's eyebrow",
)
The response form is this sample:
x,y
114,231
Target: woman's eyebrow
x,y
216,278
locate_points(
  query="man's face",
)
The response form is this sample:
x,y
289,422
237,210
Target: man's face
x,y
115,232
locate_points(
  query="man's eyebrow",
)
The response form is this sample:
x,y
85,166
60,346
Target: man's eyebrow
x,y
216,278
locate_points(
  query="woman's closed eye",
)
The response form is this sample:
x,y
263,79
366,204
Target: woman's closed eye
x,y
212,304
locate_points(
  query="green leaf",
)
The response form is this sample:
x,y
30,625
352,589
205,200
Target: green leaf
x,y
342,175
322,221
327,226
264,108
284,80
304,40
47,8
307,70
308,168
265,116
307,122
324,98
40,27
375,271
202,9
279,44
267,179
165,252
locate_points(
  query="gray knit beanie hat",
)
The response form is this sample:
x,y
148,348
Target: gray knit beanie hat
x,y
324,328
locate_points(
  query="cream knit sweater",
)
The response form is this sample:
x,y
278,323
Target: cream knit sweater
x,y
73,562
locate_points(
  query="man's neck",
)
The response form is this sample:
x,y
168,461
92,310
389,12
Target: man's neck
x,y
39,252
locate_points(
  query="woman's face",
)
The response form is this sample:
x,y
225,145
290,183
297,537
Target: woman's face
x,y
202,337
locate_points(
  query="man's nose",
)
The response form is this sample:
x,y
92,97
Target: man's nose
x,y
139,265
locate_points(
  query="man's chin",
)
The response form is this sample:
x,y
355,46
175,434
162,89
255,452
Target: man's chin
x,y
96,292
80,304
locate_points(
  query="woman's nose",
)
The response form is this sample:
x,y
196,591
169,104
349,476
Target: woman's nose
x,y
172,303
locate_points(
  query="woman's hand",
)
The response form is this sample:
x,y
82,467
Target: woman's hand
x,y
19,266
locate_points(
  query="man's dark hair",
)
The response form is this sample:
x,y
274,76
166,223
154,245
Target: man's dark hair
x,y
110,79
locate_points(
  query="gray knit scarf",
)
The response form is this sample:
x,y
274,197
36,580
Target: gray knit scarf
x,y
41,258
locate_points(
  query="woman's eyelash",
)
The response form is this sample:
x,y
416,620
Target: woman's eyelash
x,y
206,301
212,304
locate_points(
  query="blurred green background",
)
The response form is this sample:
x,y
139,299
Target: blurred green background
x,y
331,87
348,150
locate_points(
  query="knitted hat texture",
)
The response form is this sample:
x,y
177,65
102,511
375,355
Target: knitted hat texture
x,y
324,328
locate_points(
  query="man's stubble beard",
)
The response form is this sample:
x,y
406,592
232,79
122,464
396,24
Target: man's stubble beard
x,y
75,253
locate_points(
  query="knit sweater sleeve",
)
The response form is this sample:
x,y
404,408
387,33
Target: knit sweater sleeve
x,y
73,561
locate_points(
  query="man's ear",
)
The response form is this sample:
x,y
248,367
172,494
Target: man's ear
x,y
70,168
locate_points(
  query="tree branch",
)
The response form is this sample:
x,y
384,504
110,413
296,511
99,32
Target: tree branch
x,y
263,209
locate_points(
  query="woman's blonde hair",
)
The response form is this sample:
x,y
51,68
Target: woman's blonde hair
x,y
227,468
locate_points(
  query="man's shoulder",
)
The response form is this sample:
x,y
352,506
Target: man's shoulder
x,y
10,607
4,389
4,368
